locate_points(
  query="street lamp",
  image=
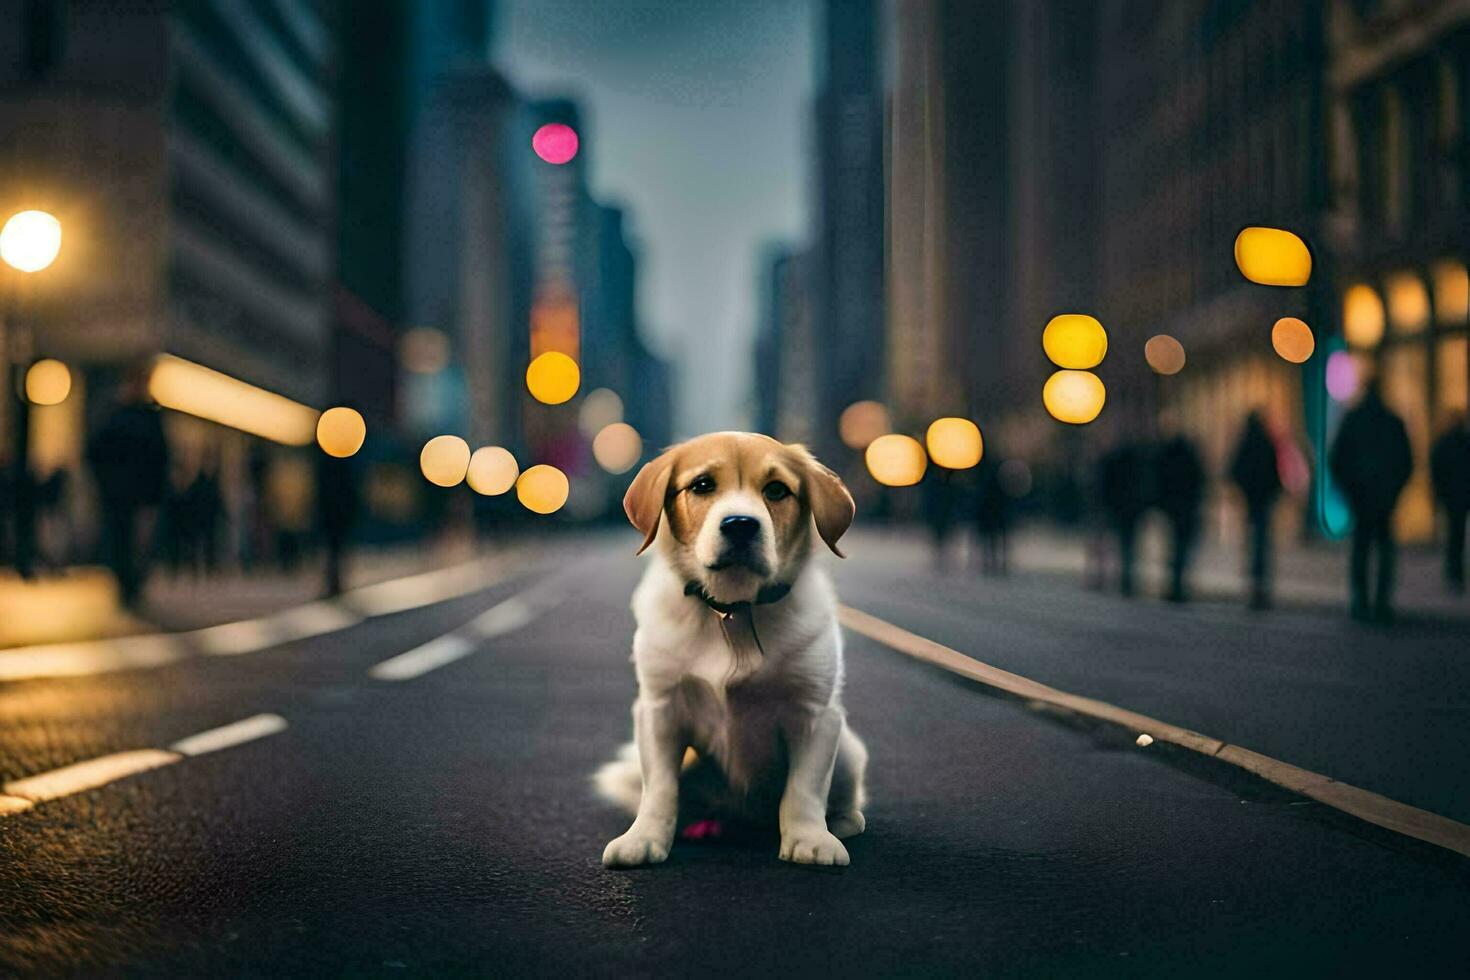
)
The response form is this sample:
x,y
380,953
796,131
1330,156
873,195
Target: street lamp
x,y
29,243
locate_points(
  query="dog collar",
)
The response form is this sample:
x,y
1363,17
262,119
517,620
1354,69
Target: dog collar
x,y
767,595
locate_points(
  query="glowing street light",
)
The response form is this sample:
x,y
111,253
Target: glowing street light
x,y
543,489
341,431
553,378
47,382
600,409
1075,341
954,443
492,471
1292,339
1273,257
30,240
1074,397
444,460
896,460
556,143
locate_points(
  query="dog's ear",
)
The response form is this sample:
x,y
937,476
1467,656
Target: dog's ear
x,y
831,504
644,501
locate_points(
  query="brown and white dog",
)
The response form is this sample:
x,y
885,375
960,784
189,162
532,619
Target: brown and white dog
x,y
738,652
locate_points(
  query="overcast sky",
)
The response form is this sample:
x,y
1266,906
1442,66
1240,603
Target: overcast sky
x,y
698,117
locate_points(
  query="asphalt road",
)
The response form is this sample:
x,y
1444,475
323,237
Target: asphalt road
x,y
444,823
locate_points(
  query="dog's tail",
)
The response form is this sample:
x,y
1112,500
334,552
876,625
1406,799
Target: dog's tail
x,y
620,782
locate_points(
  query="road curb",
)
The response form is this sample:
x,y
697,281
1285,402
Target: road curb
x,y
1370,807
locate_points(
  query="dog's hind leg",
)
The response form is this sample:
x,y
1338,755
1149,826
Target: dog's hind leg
x,y
848,796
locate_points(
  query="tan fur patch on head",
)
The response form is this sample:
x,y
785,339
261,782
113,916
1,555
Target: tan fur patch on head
x,y
687,481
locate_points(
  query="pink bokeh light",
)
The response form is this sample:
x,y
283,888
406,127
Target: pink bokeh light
x,y
1342,376
556,143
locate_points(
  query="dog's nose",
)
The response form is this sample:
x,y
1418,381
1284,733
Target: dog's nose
x,y
739,528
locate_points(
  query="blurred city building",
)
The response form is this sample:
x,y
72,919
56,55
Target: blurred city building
x,y
1398,90
848,257
785,351
188,151
1102,158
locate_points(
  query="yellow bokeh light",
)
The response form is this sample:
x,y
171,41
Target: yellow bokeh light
x,y
444,460
1273,257
1451,291
861,423
954,443
30,240
200,391
543,489
617,447
1293,340
340,431
1074,397
492,471
1408,303
1362,316
896,460
1164,354
48,382
1075,340
553,378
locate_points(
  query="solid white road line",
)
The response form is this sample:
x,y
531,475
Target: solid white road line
x,y
78,659
506,617
1361,803
227,736
252,635
424,589
300,623
89,774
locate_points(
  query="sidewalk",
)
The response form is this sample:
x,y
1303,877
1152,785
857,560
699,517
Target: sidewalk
x,y
1306,574
82,603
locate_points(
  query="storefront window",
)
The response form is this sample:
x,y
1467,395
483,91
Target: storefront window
x,y
1405,382
1451,291
1453,376
1408,303
1362,316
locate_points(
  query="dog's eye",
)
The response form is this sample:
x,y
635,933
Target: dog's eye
x,y
776,490
703,485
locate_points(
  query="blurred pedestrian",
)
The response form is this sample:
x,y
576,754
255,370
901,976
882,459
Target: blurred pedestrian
x,y
1123,489
203,509
939,511
1255,472
1450,465
992,516
129,460
1180,485
336,508
1371,462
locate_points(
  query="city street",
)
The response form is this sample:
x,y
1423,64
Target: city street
x,y
411,794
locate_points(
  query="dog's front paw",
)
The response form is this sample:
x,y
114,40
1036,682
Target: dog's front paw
x,y
635,848
812,845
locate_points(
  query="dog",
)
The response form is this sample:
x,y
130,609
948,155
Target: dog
x,y
738,653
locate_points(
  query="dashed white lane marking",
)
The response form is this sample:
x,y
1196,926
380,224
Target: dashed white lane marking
x,y
88,775
506,617
22,794
252,635
226,736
